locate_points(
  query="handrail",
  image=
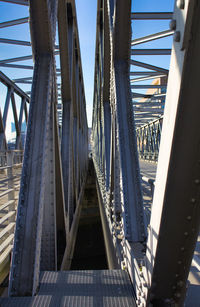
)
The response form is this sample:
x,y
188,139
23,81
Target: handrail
x,y
9,187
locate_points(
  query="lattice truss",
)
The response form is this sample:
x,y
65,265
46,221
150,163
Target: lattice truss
x,y
158,266
56,150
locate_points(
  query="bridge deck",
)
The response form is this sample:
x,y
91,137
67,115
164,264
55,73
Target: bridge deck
x,y
103,288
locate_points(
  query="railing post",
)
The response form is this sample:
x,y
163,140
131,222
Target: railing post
x,y
11,194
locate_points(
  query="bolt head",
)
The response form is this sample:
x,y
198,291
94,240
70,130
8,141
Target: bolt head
x,y
177,36
172,24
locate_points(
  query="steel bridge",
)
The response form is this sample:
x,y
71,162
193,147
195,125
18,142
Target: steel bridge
x,y
136,194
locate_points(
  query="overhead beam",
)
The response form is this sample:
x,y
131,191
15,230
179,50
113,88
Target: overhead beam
x,y
29,67
22,58
155,76
150,51
150,16
14,42
21,2
148,38
144,73
14,22
149,66
147,86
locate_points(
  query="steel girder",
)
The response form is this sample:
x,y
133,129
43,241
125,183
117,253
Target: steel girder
x,y
114,141
48,205
175,216
160,276
13,93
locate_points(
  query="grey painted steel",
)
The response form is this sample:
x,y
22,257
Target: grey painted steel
x,y
17,66
151,52
114,146
14,22
175,213
151,37
49,205
74,142
147,86
9,105
148,66
21,2
79,289
34,202
14,42
151,15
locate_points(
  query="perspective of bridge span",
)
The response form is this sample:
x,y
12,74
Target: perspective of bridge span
x,y
109,215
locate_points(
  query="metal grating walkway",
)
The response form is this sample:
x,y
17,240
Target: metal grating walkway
x,y
105,288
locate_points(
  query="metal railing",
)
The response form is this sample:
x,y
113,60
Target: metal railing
x,y
10,172
148,140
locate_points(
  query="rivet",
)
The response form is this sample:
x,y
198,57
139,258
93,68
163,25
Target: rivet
x,y
177,294
180,283
186,233
177,36
179,262
193,200
172,24
180,4
197,181
182,248
189,218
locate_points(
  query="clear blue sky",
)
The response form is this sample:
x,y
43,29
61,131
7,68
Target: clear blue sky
x,y
86,14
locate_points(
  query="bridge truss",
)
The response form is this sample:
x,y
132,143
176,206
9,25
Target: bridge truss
x,y
56,151
159,270
157,255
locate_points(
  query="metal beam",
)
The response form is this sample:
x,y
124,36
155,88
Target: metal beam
x,y
37,200
5,80
144,73
22,58
155,76
175,216
150,16
29,67
148,86
149,66
14,22
21,2
151,37
150,51
14,42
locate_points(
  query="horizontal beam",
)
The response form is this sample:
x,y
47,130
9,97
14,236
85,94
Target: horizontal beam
x,y
14,22
148,104
147,78
148,86
149,66
152,37
21,2
144,73
18,59
23,79
16,66
14,42
150,51
145,114
146,109
152,15
23,58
